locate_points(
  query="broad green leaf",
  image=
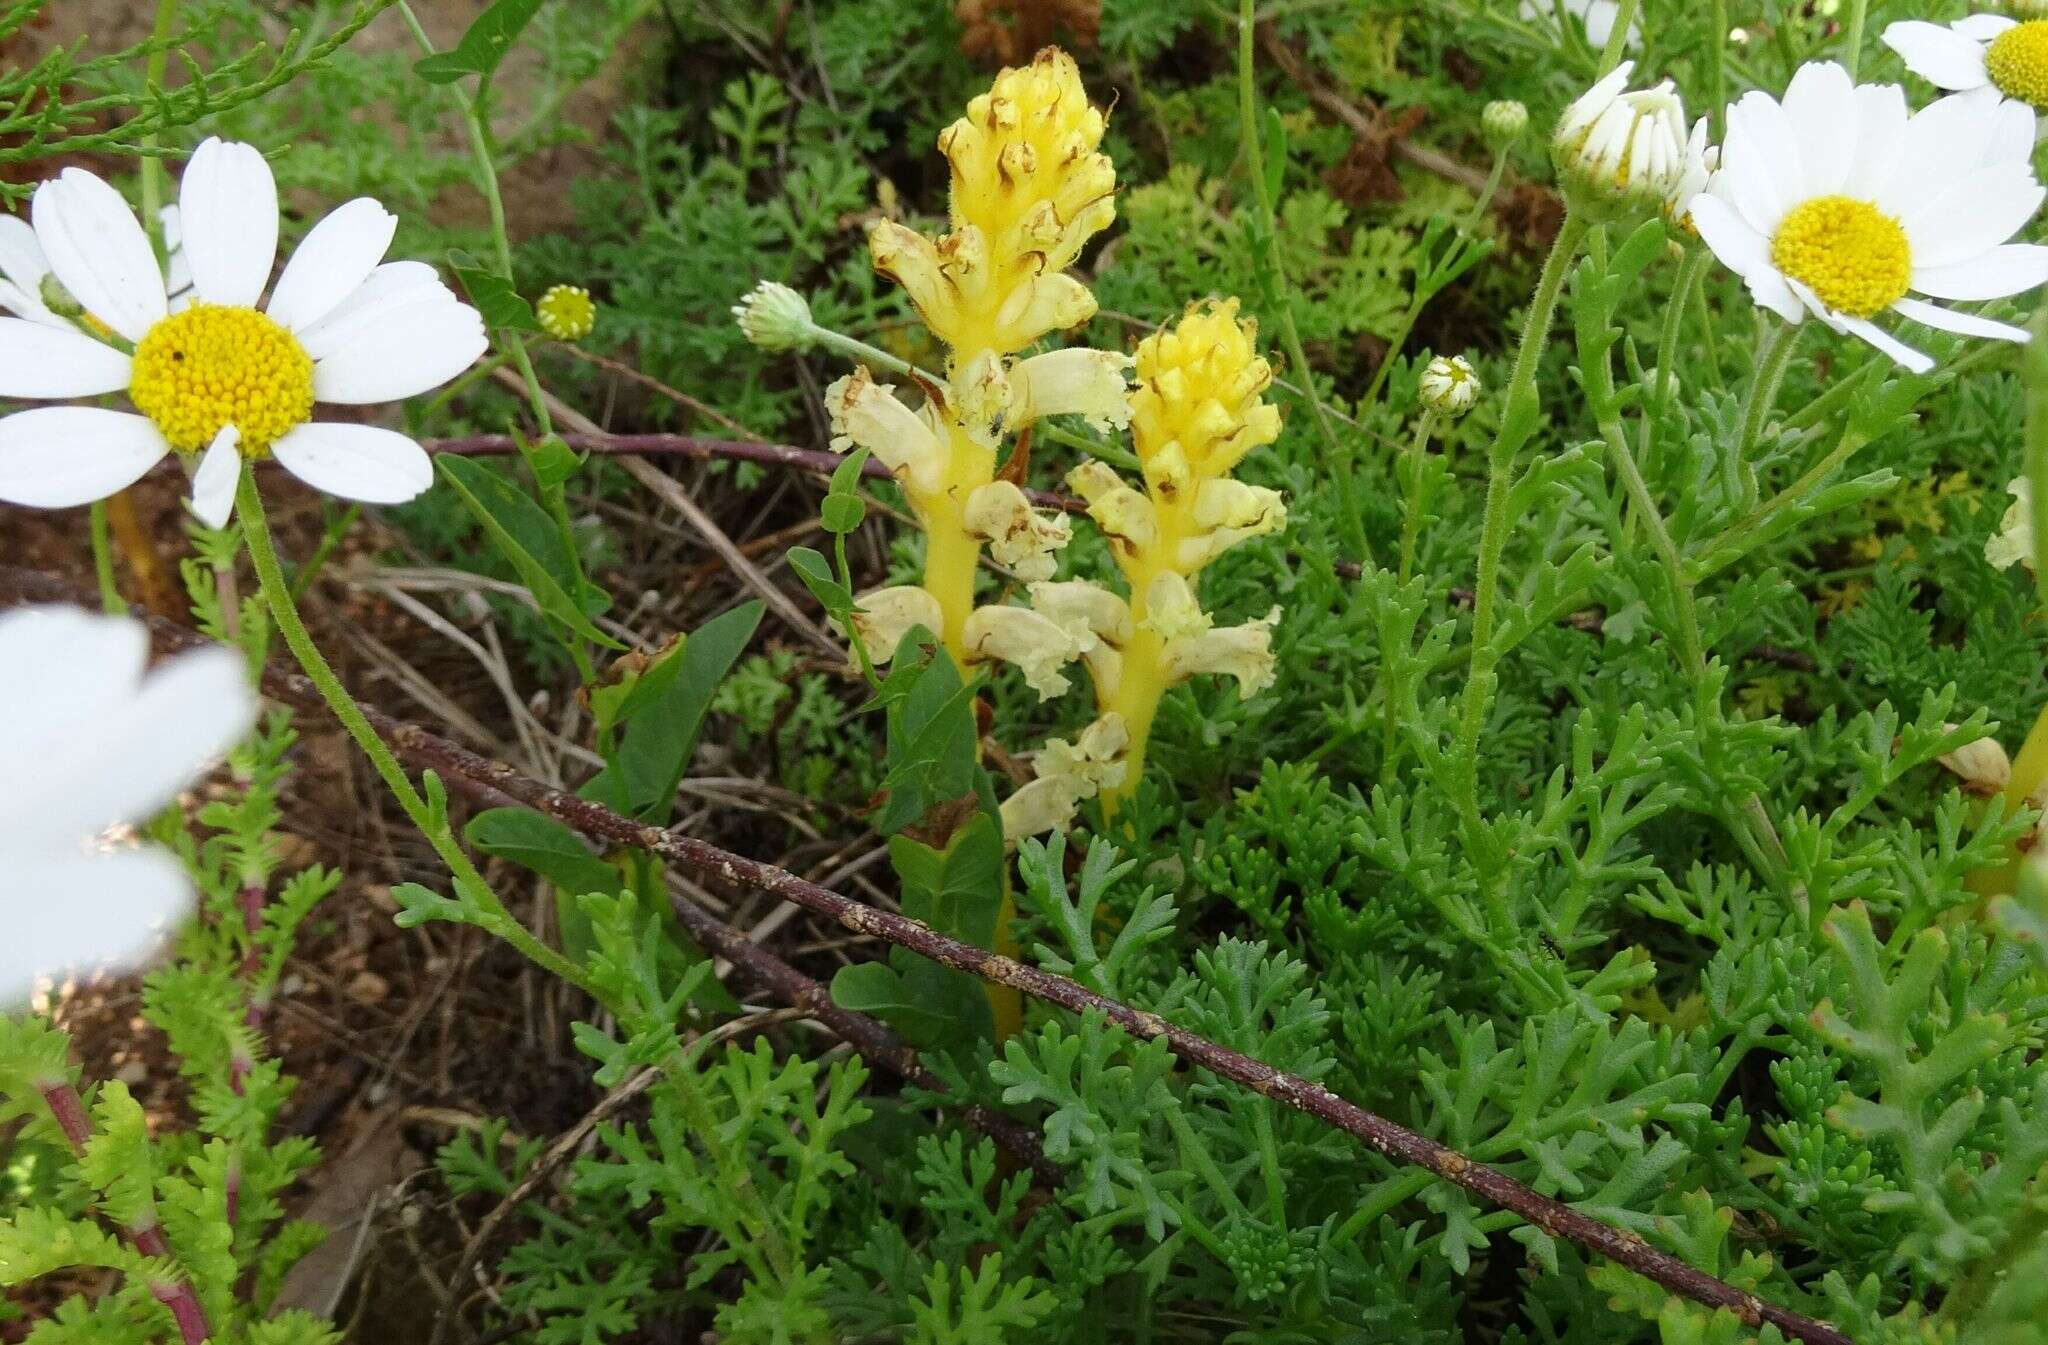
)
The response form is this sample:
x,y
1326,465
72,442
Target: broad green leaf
x,y
538,842
502,306
483,46
661,736
524,535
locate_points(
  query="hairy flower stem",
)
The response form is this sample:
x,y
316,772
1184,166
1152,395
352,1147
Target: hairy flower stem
x,y
68,1110
1617,39
471,889
1771,363
1518,421
1852,37
1411,531
1341,464
103,561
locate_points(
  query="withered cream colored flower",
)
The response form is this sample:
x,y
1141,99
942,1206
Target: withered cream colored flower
x,y
1025,539
1448,386
1836,204
1244,652
92,740
886,615
1034,643
907,442
1098,621
2014,541
1067,774
1030,187
1172,611
1993,56
1982,766
1618,151
220,380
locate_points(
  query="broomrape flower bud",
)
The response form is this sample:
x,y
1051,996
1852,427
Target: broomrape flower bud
x,y
882,618
94,741
1172,610
775,317
1125,516
869,414
2014,541
1448,386
566,312
1030,188
1068,773
1037,645
1019,536
1502,123
1198,401
1620,152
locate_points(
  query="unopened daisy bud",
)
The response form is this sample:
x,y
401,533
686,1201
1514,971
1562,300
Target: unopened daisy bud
x,y
1244,652
1983,766
886,615
1619,152
566,312
1037,645
868,413
1701,159
1448,386
1502,123
775,317
2015,538
1171,608
1019,536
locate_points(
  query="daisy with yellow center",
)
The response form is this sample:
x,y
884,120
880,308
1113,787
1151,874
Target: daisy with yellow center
x,y
216,378
1991,56
1837,204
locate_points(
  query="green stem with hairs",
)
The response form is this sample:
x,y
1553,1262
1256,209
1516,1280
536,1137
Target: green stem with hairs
x,y
1772,361
103,561
471,889
1617,39
1853,36
154,72
1520,408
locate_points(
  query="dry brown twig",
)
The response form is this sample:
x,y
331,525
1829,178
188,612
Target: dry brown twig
x,y
458,765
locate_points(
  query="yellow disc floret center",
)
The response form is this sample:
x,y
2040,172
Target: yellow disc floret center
x,y
1850,253
209,367
2017,61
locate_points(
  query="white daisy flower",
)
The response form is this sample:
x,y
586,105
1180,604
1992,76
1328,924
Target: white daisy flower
x,y
218,379
1701,160
90,741
1837,204
2007,57
1595,16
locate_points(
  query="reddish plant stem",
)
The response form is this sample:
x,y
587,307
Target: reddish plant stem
x,y
68,1109
1397,1142
696,446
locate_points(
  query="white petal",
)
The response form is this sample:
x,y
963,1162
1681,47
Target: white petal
x,y
78,913
21,257
128,761
220,472
1983,27
390,281
1881,119
1994,274
99,252
356,462
1820,105
228,216
40,361
1771,290
1771,143
1909,358
1747,177
1740,248
1948,320
1941,56
57,456
1943,143
335,257
61,666
394,349
1973,216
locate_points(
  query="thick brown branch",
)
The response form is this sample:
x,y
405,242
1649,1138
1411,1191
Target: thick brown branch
x,y
1395,1141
